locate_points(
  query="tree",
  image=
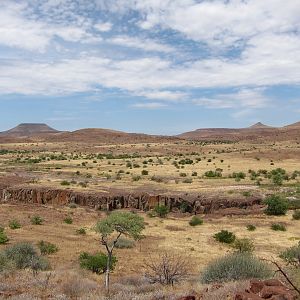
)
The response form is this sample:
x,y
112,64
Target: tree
x,y
112,228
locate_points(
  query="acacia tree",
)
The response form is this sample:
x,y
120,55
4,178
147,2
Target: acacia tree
x,y
112,228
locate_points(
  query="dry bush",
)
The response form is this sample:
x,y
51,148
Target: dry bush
x,y
174,228
75,286
167,269
225,291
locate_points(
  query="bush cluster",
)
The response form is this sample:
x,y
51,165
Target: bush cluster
x,y
23,256
96,263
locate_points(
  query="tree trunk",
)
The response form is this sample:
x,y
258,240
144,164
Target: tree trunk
x,y
107,273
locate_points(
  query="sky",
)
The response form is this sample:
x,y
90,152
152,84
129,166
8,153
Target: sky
x,y
152,66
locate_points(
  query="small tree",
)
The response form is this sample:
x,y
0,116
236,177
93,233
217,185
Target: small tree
x,y
112,228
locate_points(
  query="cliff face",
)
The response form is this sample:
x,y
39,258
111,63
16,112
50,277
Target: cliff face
x,y
143,201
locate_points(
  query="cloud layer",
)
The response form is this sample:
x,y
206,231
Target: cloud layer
x,y
167,51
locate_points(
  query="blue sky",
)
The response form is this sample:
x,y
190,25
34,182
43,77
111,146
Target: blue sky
x,y
153,66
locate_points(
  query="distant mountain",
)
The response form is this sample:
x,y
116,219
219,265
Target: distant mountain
x,y
100,135
260,125
29,130
256,132
294,125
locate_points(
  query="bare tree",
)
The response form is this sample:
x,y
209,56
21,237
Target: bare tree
x,y
167,269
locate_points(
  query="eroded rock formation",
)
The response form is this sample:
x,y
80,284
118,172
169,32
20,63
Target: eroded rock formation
x,y
192,203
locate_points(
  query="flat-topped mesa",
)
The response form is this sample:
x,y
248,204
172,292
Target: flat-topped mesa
x,y
29,129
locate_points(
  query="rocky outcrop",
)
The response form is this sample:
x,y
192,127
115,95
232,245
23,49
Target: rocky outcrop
x,y
192,203
267,289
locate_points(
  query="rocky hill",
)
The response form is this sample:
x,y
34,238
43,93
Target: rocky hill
x,y
256,132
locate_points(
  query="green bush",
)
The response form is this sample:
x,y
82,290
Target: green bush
x,y
124,243
47,247
225,236
24,256
292,256
251,227
14,224
81,231
212,174
195,221
278,227
36,220
68,220
243,245
3,238
296,215
65,183
276,205
161,210
145,172
235,266
96,263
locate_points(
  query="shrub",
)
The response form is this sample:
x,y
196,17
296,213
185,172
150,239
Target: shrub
x,y
167,269
225,236
187,180
3,238
235,266
37,220
292,256
296,215
72,205
278,227
195,221
251,227
243,245
136,177
24,256
65,182
68,220
47,247
96,263
276,205
81,231
212,174
161,210
5,263
14,224
145,172
124,243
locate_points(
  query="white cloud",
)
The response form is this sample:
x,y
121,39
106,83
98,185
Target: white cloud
x,y
103,27
149,105
244,98
266,31
140,43
163,95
